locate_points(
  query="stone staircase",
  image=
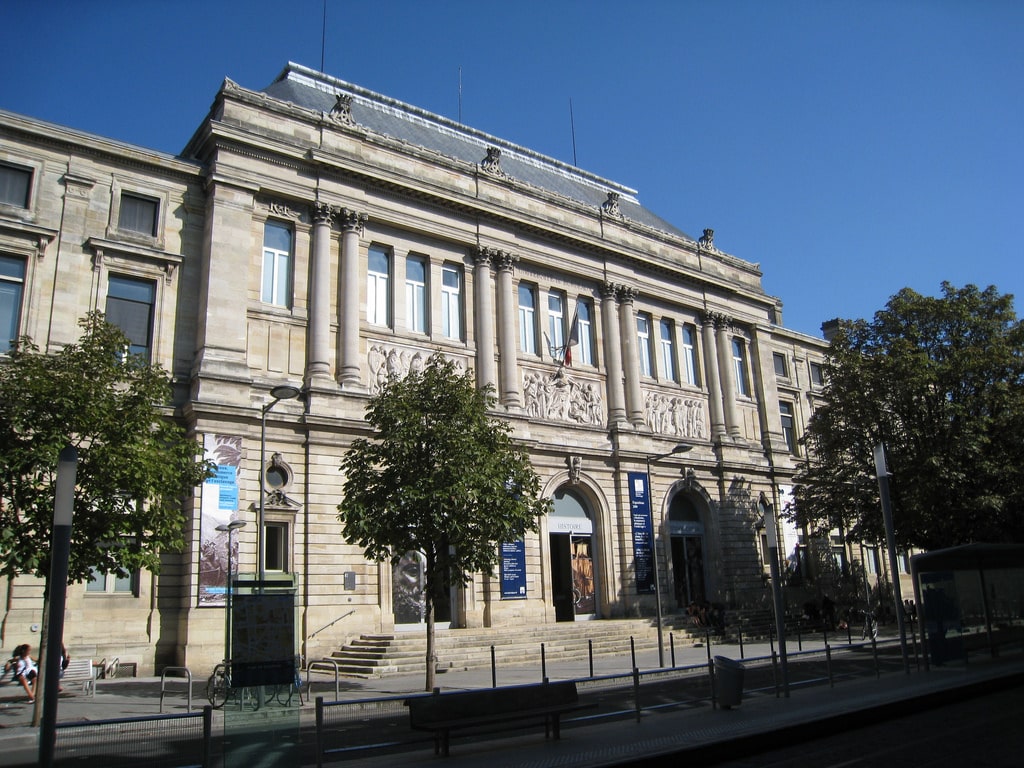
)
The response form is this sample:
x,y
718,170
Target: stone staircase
x,y
402,653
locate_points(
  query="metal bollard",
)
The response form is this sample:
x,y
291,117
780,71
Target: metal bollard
x,y
632,651
494,670
828,665
543,664
590,655
672,648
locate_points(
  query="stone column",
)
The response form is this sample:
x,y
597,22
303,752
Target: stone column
x,y
483,305
509,393
348,368
318,362
714,379
631,355
725,365
612,354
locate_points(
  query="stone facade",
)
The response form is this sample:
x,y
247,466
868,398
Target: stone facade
x,y
318,234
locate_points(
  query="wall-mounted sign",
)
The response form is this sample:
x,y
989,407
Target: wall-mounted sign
x,y
643,532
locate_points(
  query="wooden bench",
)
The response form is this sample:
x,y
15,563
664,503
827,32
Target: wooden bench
x,y
81,671
443,713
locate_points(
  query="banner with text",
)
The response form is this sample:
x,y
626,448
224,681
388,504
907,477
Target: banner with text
x,y
513,570
643,532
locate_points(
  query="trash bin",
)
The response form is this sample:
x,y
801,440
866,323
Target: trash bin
x,y
728,681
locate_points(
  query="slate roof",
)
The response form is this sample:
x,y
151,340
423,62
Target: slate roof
x,y
314,90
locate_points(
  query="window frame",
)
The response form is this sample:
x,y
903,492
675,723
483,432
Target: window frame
x,y
451,302
378,287
416,310
643,339
557,329
138,198
787,422
667,348
112,584
585,330
30,173
282,546
817,381
740,368
527,316
689,355
781,365
17,290
279,292
147,350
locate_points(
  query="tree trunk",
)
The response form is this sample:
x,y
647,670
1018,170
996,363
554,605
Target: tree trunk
x,y
37,708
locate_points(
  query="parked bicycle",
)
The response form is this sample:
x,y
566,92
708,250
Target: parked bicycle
x,y
219,690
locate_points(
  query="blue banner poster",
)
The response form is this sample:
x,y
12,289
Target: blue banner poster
x,y
643,532
513,570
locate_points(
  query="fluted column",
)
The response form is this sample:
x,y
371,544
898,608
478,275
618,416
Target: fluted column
x,y
713,377
612,354
725,365
507,330
348,300
631,356
318,363
483,318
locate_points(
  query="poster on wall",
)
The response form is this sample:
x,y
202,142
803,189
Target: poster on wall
x,y
643,530
218,506
513,570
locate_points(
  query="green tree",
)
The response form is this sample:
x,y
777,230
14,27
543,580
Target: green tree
x,y
135,465
439,477
939,381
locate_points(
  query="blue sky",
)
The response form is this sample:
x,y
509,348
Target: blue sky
x,y
849,148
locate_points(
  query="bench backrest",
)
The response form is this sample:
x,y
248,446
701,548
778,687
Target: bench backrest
x,y
80,669
458,705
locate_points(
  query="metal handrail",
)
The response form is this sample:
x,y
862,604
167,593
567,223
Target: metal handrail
x,y
328,626
163,681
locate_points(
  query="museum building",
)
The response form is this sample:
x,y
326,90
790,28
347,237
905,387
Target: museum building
x,y
315,238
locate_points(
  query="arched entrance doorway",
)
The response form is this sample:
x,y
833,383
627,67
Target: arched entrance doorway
x,y
570,538
687,534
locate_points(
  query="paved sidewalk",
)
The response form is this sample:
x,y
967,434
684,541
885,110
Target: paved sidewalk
x,y
761,719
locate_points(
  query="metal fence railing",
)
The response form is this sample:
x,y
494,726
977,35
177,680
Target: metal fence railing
x,y
156,741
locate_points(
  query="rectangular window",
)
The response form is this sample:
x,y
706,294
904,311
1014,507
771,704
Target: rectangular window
x,y
378,277
788,425
871,560
275,550
130,303
667,345
690,354
15,184
277,265
739,359
104,584
12,289
817,377
138,214
584,332
556,324
780,364
451,302
416,294
527,319
643,334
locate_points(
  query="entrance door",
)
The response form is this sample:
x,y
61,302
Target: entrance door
x,y
688,567
570,542
408,583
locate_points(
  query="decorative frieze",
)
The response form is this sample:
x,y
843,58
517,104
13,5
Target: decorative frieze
x,y
561,397
387,362
679,416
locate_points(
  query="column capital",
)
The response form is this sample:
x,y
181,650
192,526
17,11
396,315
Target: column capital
x,y
324,213
504,261
716,320
352,221
482,256
626,294
608,290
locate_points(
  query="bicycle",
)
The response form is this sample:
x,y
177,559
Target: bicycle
x,y
218,685
219,689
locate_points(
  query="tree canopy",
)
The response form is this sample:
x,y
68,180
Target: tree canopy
x,y
939,381
135,465
440,477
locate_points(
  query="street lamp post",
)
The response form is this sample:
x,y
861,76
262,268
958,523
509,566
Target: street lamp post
x,y
278,393
882,475
230,529
772,532
681,448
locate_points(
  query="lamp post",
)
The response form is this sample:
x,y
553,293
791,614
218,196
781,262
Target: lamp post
x,y
890,544
681,448
230,529
278,393
772,532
